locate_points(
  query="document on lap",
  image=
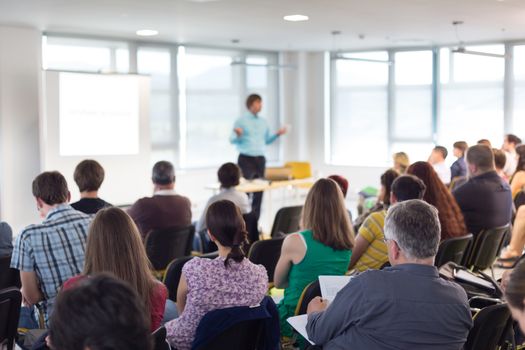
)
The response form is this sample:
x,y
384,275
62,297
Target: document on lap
x,y
331,285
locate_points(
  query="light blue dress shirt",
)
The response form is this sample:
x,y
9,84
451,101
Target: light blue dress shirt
x,y
256,135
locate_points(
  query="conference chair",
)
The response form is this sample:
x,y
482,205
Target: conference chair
x,y
266,253
162,246
159,339
8,277
519,199
10,301
251,226
174,271
311,291
241,327
486,248
287,220
452,249
491,325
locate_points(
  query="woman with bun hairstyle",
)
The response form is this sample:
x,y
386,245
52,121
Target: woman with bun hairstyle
x,y
226,281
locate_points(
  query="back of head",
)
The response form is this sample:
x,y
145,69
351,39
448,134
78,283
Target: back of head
x,y
251,99
88,175
513,139
481,156
414,225
462,146
484,142
100,313
387,178
51,187
441,150
114,245
229,175
226,224
163,173
342,182
402,161
515,290
325,214
438,195
499,158
407,187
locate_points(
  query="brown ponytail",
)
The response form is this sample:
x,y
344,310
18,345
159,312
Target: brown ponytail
x,y
226,224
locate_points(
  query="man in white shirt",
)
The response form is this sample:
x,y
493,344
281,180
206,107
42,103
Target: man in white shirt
x,y
509,147
437,159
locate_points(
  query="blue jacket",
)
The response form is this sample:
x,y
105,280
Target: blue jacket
x,y
215,322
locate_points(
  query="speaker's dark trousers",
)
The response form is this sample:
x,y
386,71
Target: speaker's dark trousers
x,y
253,168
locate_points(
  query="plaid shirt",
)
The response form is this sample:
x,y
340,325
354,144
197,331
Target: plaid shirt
x,y
54,250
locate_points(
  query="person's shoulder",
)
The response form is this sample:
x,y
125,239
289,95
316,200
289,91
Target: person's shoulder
x,y
455,291
5,228
181,198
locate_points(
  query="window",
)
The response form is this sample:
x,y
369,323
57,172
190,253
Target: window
x,y
85,55
413,96
360,105
471,96
518,122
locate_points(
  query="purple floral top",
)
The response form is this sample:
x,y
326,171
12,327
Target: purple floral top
x,y
212,286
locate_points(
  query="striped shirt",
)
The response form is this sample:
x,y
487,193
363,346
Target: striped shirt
x,y
372,231
54,250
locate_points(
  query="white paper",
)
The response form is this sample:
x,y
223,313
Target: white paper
x,y
331,285
468,277
299,324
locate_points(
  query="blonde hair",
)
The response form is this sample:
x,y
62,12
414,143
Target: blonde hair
x,y
114,245
401,158
325,214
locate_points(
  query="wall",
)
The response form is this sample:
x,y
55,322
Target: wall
x,y
20,62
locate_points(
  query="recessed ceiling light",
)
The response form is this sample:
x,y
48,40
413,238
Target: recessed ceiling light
x,y
147,32
295,18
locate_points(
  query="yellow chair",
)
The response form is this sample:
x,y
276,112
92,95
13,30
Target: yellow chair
x,y
300,170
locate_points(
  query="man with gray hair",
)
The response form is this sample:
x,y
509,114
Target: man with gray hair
x,y
166,208
406,306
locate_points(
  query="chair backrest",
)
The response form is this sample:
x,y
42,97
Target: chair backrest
x,y
519,199
174,271
266,253
287,220
309,292
251,226
162,246
452,249
486,248
8,277
490,324
159,339
242,335
10,301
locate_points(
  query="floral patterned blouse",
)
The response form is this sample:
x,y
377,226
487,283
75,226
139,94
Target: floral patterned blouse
x,y
213,286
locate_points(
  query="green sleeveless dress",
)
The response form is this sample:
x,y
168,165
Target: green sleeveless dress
x,y
318,260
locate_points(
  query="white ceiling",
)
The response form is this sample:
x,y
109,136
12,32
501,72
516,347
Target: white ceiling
x,y
259,24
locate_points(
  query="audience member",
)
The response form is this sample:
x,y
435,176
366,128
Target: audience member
x,y
459,167
499,161
484,142
514,290
342,182
515,248
102,313
229,280
322,248
437,194
166,208
383,199
485,199
401,162
88,176
517,181
229,175
50,253
370,251
406,306
112,230
437,159
510,142
6,239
